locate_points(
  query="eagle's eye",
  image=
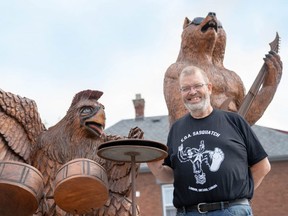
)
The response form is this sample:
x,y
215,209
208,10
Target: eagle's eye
x,y
86,110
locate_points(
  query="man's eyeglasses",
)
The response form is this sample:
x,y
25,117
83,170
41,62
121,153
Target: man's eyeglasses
x,y
195,87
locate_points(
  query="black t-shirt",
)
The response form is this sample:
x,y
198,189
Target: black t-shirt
x,y
211,158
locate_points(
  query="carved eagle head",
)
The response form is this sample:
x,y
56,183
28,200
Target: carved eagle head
x,y
79,132
85,111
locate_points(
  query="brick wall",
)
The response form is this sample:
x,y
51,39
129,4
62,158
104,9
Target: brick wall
x,y
270,199
150,201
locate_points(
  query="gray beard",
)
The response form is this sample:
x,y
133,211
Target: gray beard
x,y
199,107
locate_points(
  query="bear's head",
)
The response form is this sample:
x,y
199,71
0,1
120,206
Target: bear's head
x,y
203,38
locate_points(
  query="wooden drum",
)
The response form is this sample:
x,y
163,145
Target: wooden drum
x,y
21,188
81,186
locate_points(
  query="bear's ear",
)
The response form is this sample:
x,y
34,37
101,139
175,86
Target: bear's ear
x,y
186,22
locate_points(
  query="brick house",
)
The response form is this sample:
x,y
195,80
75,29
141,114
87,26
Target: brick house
x,y
155,198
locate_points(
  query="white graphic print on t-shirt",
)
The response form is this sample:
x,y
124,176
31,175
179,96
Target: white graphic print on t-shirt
x,y
212,159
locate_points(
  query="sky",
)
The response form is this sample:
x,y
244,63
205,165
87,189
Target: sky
x,y
52,49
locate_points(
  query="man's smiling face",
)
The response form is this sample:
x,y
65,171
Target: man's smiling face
x,y
195,91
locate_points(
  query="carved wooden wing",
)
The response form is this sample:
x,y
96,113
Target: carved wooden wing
x,y
119,174
20,125
120,179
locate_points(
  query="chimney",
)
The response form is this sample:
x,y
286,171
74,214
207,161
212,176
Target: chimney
x,y
139,104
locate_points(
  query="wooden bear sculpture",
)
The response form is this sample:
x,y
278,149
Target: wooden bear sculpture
x,y
203,45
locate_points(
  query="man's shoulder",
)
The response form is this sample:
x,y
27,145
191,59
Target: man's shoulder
x,y
233,118
183,120
227,113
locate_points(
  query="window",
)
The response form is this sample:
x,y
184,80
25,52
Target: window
x,y
167,198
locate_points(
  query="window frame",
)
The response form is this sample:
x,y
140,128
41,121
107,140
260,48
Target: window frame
x,y
167,195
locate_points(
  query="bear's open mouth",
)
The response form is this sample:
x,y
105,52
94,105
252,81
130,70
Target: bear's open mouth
x,y
210,24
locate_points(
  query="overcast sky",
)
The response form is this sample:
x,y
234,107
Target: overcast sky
x,y
52,49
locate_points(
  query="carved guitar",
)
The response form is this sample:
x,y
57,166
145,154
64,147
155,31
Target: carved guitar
x,y
274,46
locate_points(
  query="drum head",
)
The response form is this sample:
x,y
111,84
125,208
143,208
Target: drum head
x,y
80,192
21,187
80,195
15,200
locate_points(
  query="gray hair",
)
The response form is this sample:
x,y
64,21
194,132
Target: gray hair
x,y
189,70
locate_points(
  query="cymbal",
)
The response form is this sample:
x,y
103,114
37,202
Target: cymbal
x,y
123,149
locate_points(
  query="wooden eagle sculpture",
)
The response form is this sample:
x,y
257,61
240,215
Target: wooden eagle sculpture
x,y
24,138
203,45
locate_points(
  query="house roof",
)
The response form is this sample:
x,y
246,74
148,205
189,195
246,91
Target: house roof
x,y
275,142
156,128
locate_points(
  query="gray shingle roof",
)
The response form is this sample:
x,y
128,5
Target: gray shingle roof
x,y
156,128
274,142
